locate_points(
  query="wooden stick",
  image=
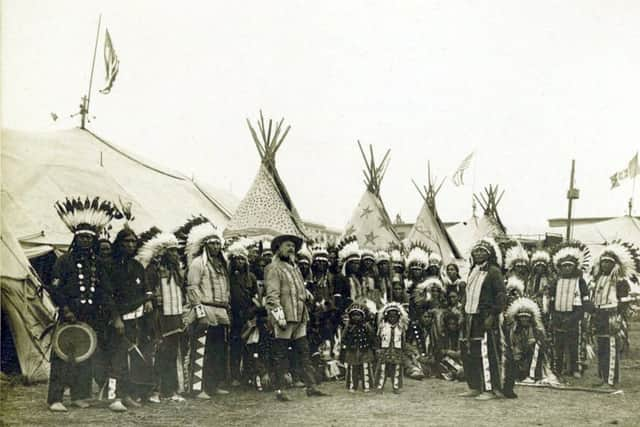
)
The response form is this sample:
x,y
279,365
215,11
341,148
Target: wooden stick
x,y
419,191
571,388
261,128
284,135
499,198
276,134
440,186
269,132
255,139
475,196
366,163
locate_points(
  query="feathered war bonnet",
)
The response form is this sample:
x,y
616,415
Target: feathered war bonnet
x,y
516,255
182,233
397,259
156,247
515,284
367,254
348,250
383,256
239,248
304,254
435,259
525,307
540,256
418,256
491,247
264,247
626,259
198,237
358,307
88,216
319,252
422,294
573,252
398,308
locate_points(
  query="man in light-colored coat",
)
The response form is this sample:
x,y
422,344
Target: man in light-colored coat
x,y
286,297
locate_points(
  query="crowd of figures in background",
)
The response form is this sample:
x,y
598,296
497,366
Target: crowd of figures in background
x,y
187,314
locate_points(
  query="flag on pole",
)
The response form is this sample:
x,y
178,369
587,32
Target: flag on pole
x,y
458,175
111,63
630,171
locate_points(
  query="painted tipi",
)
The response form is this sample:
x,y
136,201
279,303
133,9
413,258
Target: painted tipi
x,y
370,222
428,227
267,209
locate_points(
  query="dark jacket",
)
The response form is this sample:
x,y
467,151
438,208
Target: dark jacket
x,y
491,302
243,289
81,283
129,285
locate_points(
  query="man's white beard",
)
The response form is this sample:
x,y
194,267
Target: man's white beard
x,y
288,258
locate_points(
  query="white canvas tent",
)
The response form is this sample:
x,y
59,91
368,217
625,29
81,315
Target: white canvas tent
x,y
623,227
597,235
428,228
466,233
39,168
28,309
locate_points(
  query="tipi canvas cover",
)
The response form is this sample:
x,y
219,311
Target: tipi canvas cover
x,y
266,210
370,222
429,229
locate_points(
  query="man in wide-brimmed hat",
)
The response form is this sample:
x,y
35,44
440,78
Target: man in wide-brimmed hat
x,y
286,298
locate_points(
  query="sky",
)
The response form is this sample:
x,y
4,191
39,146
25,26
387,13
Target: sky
x,y
526,86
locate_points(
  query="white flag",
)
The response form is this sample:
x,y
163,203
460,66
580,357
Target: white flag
x,y
630,171
458,175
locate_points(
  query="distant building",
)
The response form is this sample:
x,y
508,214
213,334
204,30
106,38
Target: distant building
x,y
321,232
562,222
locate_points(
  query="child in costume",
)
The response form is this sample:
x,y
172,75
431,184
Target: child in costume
x,y
358,343
392,327
447,351
420,359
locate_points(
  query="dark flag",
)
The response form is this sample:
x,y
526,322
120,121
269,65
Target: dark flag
x,y
111,63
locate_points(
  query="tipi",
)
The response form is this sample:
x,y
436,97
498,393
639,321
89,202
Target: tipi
x,y
466,233
428,227
370,222
267,209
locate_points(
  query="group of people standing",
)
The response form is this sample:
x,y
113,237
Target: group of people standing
x,y
185,313
536,318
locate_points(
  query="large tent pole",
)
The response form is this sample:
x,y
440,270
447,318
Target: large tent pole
x,y
633,188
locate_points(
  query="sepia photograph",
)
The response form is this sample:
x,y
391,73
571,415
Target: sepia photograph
x,y
338,213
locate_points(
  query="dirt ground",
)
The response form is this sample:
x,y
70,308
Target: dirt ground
x,y
428,402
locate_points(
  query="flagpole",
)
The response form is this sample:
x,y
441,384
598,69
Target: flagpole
x,y
473,184
572,195
93,64
633,190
